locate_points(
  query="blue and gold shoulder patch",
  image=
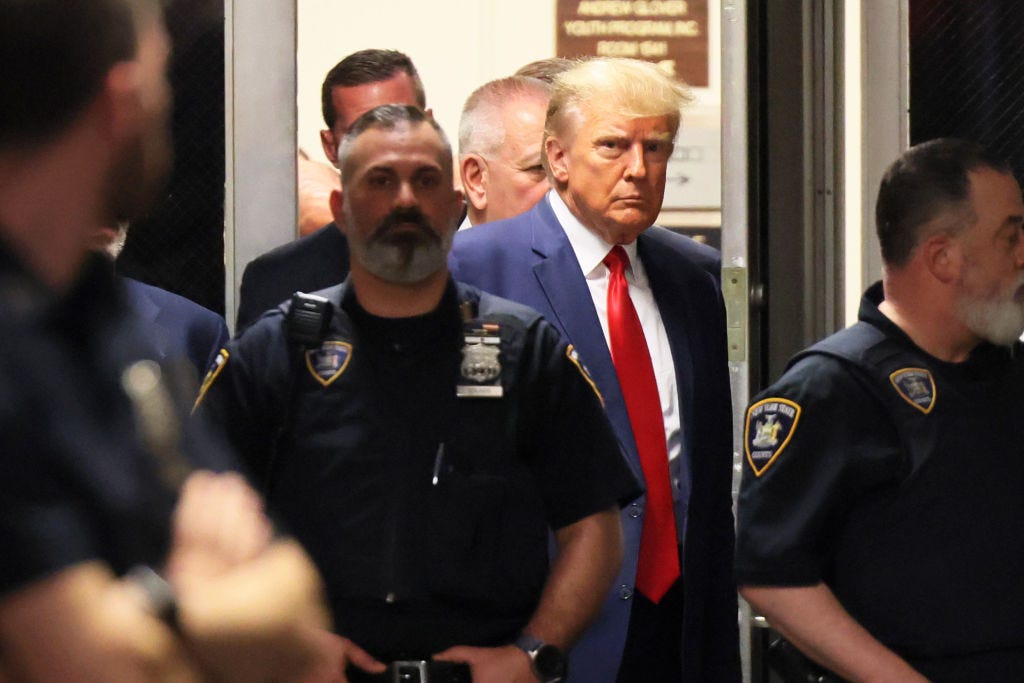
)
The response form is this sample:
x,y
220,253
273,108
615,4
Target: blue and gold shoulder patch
x,y
916,386
215,369
328,362
574,358
771,423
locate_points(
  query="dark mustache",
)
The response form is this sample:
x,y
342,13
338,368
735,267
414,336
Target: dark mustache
x,y
405,215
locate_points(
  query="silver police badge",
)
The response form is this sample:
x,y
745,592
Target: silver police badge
x,y
481,367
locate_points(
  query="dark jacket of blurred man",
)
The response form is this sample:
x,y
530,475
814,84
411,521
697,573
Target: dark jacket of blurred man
x,y
97,581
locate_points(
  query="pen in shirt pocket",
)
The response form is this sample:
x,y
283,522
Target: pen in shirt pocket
x,y
438,462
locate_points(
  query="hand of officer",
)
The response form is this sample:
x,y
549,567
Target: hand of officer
x,y
338,653
250,606
506,664
218,525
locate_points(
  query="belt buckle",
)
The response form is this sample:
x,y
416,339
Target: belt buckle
x,y
410,671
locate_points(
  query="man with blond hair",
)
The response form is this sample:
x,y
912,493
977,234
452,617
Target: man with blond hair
x,y
643,307
500,136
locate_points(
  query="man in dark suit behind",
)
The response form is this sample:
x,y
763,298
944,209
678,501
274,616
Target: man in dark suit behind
x,y
177,326
608,138
355,85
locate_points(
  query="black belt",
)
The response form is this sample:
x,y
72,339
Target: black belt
x,y
414,671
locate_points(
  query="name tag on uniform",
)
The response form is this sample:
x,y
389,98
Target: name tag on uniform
x,y
480,371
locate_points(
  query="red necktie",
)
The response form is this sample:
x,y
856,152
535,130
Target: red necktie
x,y
658,566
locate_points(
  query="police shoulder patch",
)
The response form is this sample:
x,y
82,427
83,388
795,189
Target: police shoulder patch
x,y
916,386
327,362
215,369
771,423
574,358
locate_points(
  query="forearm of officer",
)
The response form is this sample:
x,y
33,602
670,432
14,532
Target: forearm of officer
x,y
589,558
814,621
249,606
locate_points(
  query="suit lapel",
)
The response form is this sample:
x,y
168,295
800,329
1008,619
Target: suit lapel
x,y
149,312
559,276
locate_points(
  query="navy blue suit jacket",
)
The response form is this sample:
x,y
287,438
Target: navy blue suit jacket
x,y
311,263
176,326
529,259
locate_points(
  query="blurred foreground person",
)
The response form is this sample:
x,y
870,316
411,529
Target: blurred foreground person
x,y
880,515
106,572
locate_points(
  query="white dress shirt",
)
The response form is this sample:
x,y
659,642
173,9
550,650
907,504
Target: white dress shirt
x,y
590,251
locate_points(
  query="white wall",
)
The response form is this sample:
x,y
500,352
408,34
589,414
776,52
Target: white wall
x,y
259,183
456,45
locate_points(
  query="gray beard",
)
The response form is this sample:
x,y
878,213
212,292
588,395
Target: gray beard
x,y
404,262
999,321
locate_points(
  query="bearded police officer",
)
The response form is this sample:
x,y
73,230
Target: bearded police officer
x,y
880,517
421,438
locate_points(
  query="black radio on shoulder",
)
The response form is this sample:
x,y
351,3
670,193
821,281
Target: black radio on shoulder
x,y
308,318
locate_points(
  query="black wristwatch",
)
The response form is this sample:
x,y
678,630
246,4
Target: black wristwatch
x,y
548,662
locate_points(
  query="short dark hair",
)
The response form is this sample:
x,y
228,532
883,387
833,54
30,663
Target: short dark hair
x,y
56,54
367,66
388,117
545,69
926,180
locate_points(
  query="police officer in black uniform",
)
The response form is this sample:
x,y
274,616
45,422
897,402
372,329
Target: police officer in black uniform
x,y
106,572
421,438
881,522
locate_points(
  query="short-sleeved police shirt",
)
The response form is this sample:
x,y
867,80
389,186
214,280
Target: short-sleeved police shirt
x,y
895,478
76,484
423,461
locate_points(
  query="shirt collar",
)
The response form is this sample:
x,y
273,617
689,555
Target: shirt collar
x,y
589,248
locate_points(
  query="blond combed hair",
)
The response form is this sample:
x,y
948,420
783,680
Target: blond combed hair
x,y
618,86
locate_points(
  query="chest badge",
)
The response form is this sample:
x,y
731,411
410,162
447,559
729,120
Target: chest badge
x,y
328,362
480,369
916,386
771,423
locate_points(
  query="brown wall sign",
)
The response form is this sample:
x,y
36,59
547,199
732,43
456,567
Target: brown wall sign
x,y
671,33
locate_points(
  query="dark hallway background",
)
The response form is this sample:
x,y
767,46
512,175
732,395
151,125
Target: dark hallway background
x,y
180,245
967,73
